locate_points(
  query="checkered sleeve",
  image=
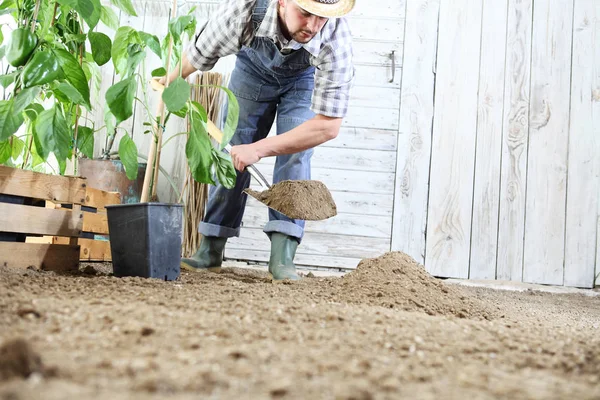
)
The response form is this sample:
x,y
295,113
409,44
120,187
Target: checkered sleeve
x,y
223,34
334,71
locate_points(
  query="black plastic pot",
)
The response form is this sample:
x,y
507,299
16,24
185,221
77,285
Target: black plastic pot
x,y
145,239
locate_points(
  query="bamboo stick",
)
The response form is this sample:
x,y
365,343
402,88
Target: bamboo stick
x,y
153,160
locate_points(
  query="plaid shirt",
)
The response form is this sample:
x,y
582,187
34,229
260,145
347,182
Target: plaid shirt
x,y
330,50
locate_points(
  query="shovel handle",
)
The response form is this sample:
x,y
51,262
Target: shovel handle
x,y
216,134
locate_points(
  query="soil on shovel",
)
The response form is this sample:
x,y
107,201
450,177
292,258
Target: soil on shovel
x,y
308,200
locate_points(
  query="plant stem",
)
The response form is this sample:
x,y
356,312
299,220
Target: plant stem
x,y
169,139
26,158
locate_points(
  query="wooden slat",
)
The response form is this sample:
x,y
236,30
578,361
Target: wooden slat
x,y
318,244
584,147
543,258
416,124
486,196
453,145
51,257
376,76
349,159
256,216
377,52
511,227
95,223
350,181
99,198
376,28
39,220
300,259
383,9
18,182
90,249
359,138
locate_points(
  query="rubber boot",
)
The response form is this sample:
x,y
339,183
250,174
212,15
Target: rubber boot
x,y
208,257
281,262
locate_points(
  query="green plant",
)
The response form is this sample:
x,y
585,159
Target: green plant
x,y
128,56
49,82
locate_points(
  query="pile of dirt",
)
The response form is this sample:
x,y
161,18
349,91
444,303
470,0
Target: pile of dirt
x,y
396,280
308,200
18,360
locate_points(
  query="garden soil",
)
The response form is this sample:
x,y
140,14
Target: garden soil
x,y
309,200
385,331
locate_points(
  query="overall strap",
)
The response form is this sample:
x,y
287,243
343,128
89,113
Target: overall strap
x,y
259,12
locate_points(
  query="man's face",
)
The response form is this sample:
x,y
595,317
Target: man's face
x,y
298,24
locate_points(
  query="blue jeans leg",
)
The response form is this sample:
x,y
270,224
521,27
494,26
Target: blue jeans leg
x,y
225,208
293,110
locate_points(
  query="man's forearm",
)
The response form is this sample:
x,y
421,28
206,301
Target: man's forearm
x,y
311,133
186,69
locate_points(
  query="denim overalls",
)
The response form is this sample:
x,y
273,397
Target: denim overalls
x,y
265,82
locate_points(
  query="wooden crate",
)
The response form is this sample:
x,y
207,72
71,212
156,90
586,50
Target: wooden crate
x,y
53,232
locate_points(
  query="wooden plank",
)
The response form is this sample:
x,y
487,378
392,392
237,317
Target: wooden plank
x,y
90,249
365,204
344,181
371,117
320,244
377,53
584,148
486,192
548,143
377,76
256,216
95,223
415,129
511,224
367,139
40,221
384,9
49,257
388,29
300,259
24,183
453,144
349,159
379,97
99,198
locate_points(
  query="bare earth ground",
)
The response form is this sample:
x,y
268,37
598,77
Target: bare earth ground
x,y
387,330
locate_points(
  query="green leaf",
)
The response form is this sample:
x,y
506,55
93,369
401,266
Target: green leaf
x,y
198,150
74,74
33,110
5,151
101,46
183,112
176,95
2,51
128,154
125,5
233,114
152,42
10,121
109,18
17,147
120,97
178,25
158,72
134,59
111,122
124,36
85,141
25,98
67,93
88,9
200,110
53,134
8,79
224,168
1,35
5,11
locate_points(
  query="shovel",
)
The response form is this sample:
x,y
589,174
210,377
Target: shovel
x,y
299,199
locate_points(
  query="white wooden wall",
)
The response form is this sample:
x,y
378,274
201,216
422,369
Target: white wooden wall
x,y
510,167
480,158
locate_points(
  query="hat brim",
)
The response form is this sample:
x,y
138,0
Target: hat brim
x,y
335,10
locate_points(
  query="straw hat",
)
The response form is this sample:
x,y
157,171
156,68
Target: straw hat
x,y
327,8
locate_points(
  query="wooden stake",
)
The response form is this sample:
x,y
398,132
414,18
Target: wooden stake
x,y
151,176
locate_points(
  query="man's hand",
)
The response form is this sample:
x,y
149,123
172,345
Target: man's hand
x,y
244,155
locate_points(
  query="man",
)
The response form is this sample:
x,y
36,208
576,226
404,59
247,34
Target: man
x,y
294,61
